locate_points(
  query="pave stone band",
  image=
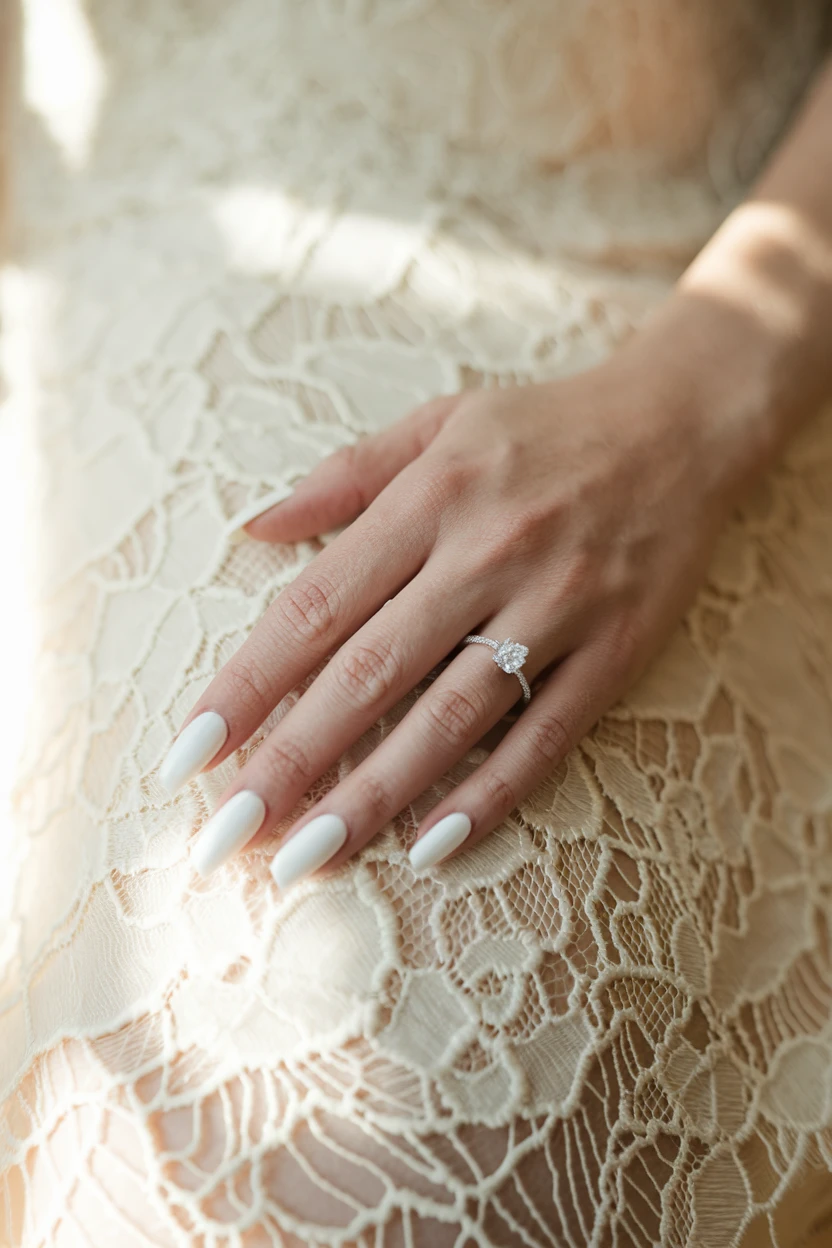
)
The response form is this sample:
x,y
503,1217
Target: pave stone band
x,y
510,656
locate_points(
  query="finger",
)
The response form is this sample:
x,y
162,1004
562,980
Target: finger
x,y
567,705
333,597
466,699
369,674
344,484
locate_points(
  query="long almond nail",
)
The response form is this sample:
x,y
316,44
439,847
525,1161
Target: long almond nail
x,y
439,841
228,830
308,849
193,749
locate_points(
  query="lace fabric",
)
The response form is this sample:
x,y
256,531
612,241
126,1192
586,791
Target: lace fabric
x,y
264,230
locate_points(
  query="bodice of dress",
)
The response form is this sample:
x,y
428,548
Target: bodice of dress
x,y
651,115
667,83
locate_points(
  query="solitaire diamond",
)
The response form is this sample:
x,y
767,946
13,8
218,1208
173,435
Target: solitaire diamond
x,y
510,655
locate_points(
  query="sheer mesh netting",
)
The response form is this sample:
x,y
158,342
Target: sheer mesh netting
x,y
248,234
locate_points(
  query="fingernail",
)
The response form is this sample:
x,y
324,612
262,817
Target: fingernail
x,y
308,849
442,839
227,831
195,746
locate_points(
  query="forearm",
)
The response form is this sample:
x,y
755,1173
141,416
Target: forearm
x,y
747,329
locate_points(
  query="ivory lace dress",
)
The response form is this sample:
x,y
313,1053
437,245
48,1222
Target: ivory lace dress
x,y
248,234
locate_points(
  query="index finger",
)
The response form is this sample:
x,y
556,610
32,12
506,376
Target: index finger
x,y
343,586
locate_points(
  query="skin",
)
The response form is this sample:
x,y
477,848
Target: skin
x,y
577,516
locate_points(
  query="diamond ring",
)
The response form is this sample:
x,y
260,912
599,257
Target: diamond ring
x,y
510,656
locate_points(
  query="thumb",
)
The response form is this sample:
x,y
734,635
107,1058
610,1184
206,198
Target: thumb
x,y
345,483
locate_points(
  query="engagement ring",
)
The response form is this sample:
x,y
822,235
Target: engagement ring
x,y
509,655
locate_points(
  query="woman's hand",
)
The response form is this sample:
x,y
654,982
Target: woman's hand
x,y
576,517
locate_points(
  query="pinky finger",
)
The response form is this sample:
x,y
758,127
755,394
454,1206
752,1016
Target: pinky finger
x,y
573,698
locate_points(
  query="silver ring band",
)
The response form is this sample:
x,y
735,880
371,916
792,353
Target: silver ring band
x,y
510,656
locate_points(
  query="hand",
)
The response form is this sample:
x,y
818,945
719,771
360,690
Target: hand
x,y
576,517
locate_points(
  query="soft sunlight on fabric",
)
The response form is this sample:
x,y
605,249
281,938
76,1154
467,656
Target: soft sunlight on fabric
x,y
64,79
352,255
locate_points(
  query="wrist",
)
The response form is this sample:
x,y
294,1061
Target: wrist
x,y
741,344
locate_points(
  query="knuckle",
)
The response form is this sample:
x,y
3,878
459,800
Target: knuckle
x,y
369,673
287,762
435,483
483,559
526,521
248,689
514,538
452,716
520,532
578,575
374,799
500,794
309,608
444,477
548,739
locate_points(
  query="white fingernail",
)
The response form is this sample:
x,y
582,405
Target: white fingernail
x,y
308,849
195,746
442,839
228,830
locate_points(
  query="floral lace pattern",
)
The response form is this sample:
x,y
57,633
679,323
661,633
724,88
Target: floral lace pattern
x,y
609,1023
